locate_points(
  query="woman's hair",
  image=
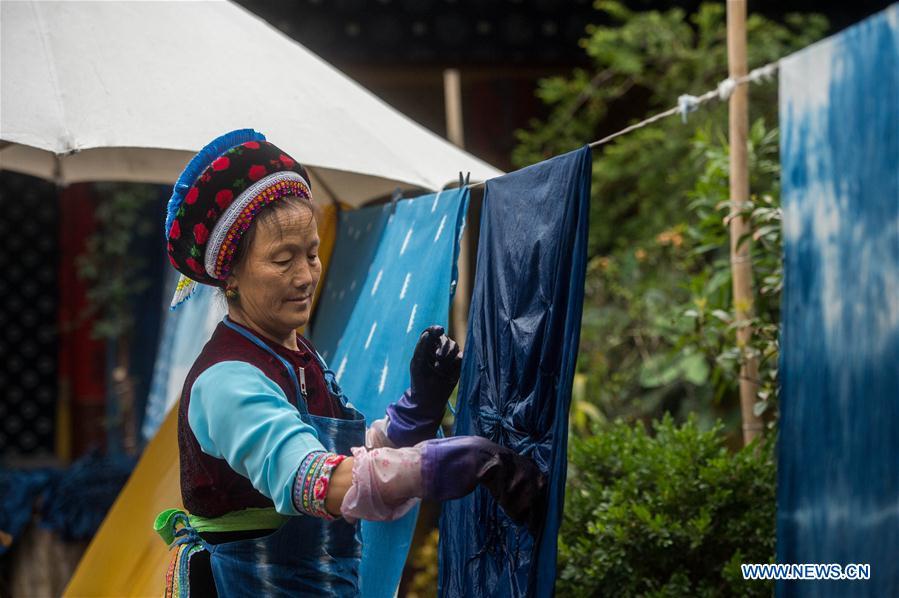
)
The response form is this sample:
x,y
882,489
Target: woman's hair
x,y
269,214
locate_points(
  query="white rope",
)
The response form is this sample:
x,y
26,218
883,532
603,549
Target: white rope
x,y
726,88
687,103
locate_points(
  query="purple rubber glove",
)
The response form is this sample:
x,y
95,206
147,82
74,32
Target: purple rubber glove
x,y
453,467
434,369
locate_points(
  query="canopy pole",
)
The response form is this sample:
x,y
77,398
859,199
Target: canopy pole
x,y
452,94
452,97
740,258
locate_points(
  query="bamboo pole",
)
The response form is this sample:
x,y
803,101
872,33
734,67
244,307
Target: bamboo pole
x,y
452,93
740,258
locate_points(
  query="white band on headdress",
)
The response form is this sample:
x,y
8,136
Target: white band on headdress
x,y
227,220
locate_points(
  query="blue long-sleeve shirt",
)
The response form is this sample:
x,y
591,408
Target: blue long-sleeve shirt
x,y
240,415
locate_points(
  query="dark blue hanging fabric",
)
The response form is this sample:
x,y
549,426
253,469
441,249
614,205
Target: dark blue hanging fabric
x,y
838,449
520,354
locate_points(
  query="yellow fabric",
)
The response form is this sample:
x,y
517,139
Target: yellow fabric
x,y
126,556
327,235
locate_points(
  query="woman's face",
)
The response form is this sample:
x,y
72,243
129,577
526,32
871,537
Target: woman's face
x,y
277,276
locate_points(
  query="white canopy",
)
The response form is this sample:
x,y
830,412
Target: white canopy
x,y
128,91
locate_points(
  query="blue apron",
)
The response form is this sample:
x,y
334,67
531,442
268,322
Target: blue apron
x,y
307,556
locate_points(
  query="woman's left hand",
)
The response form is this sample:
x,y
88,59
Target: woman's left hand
x,y
436,361
435,367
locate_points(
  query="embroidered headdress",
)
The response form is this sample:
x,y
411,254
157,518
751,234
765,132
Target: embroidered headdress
x,y
215,200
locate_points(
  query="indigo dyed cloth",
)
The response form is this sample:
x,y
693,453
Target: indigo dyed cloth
x,y
73,501
838,461
518,368
20,491
370,316
358,234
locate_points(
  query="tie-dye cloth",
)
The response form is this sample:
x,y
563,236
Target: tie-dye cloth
x,y
838,468
515,389
370,315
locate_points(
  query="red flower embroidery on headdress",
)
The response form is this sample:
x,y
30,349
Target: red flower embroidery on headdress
x,y
252,144
201,233
194,265
172,261
287,161
221,163
192,195
256,172
224,198
175,231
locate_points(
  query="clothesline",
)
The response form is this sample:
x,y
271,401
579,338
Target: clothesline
x,y
687,103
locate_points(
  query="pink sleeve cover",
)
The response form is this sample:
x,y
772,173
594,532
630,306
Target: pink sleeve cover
x,y
386,484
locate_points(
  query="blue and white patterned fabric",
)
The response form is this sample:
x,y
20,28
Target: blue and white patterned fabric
x,y
358,235
184,332
838,462
404,288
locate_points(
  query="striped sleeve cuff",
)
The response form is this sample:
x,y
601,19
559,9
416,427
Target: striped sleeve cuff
x,y
310,487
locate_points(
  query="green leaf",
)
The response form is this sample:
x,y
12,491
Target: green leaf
x,y
658,371
695,369
722,315
759,408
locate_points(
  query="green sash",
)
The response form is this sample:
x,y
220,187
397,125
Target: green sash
x,y
236,521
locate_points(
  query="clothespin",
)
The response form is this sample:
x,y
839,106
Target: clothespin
x,y
686,103
397,195
764,73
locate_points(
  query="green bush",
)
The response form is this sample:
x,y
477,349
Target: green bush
x,y
672,513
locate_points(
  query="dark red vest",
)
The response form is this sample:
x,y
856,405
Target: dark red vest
x,y
209,487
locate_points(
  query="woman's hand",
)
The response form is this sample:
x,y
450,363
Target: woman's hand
x,y
436,361
453,467
387,480
434,370
341,480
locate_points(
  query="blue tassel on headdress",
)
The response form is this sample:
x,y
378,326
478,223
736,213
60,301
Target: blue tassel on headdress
x,y
200,162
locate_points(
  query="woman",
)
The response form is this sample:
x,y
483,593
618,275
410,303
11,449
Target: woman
x,y
276,466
